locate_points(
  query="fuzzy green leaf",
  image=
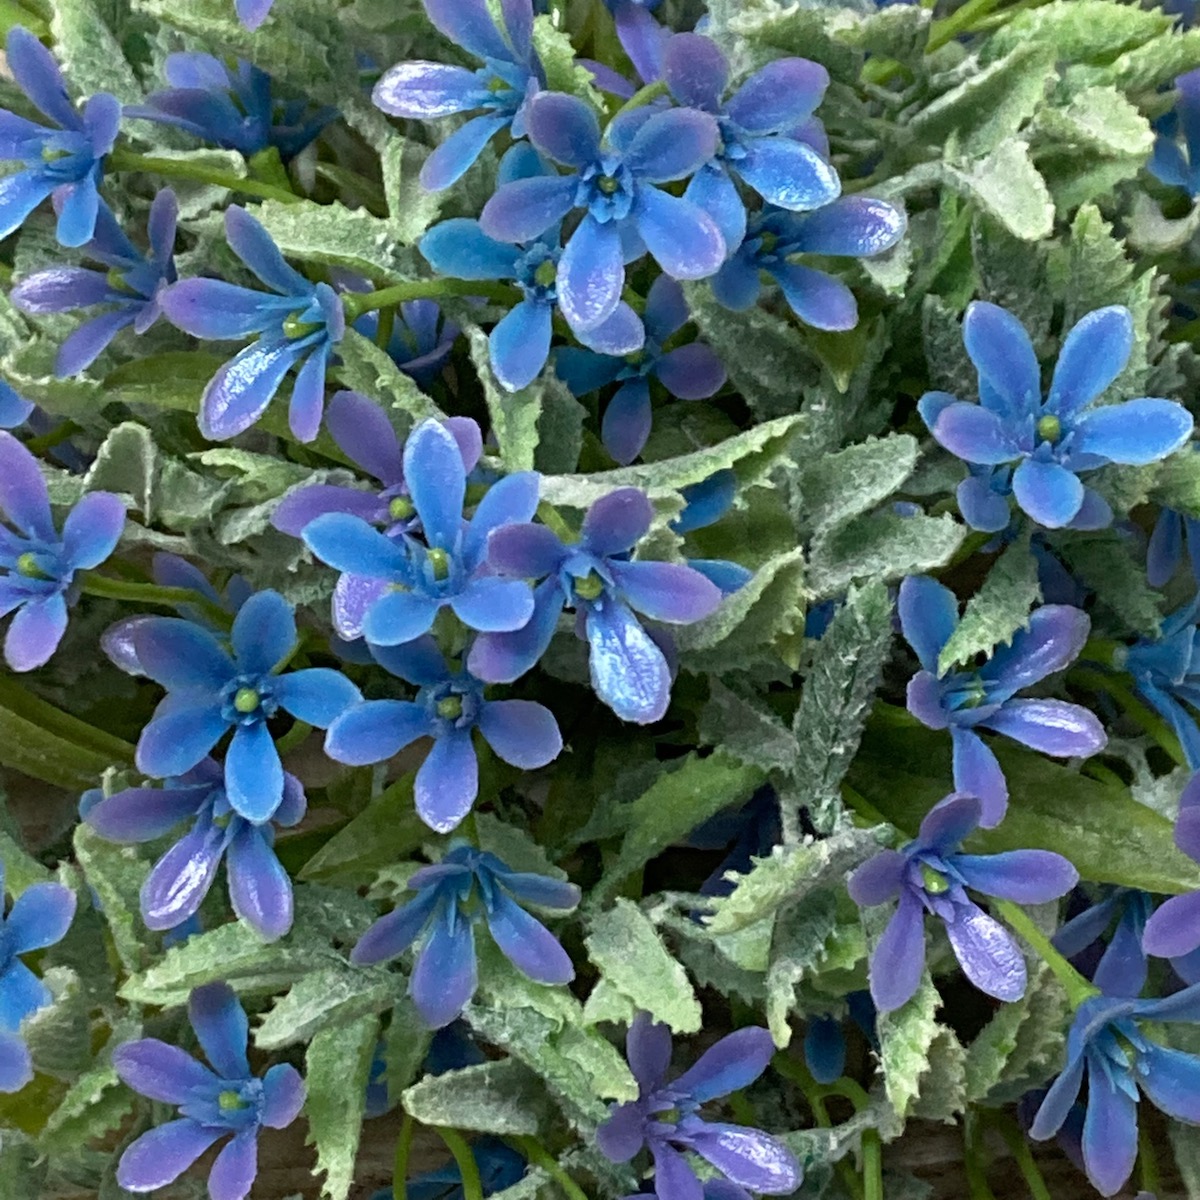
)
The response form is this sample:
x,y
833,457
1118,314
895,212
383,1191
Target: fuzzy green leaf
x,y
905,1039
504,1098
835,487
1006,185
333,996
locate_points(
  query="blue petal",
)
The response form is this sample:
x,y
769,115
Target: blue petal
x,y
460,249
444,977
520,344
238,394
307,404
398,617
92,530
493,605
1003,355
259,887
264,633
949,822
512,500
469,24
424,91
627,419
672,144
316,695
977,773
1171,1079
40,916
433,469
1048,492
681,237
521,732
670,592
214,309
825,1049
420,661
161,1071
714,191
591,274
21,994
982,508
1054,727
747,1157
1093,355
851,227
454,156
1109,1134
1137,432
20,194
928,616
79,205
348,543
585,371
447,781
522,210
783,93
375,731
527,943
394,933
503,657
222,1029
789,174
696,71
565,128
253,772
161,1155
178,739
628,670
1024,876
816,297
730,1065
736,285
257,249
233,1172
179,881
616,522
899,958
38,76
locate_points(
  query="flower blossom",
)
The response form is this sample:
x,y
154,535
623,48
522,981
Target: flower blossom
x,y
705,504
1171,163
421,339
13,408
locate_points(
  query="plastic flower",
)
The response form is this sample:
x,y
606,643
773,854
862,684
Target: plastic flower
x,y
665,1117
757,125
452,896
129,289
1109,1044
449,707
13,409
640,35
298,326
212,1104
210,691
932,875
1165,551
259,888
596,578
613,185
849,227
398,587
705,504
689,372
232,107
65,161
420,341
1174,164
825,1043
498,91
1122,968
252,13
519,344
967,701
38,563
1051,441
39,917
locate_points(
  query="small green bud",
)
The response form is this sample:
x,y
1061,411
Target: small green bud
x,y
230,1102
607,185
450,709
933,881
1049,428
27,565
293,327
400,508
590,587
246,700
546,274
439,560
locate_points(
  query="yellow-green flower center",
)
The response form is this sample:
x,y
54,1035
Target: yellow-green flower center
x,y
1049,428
607,185
590,587
294,327
934,882
246,700
230,1102
400,508
450,708
27,565
546,274
439,561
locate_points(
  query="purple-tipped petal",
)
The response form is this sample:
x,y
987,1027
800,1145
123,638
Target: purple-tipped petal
x,y
981,507
522,732
1023,876
297,509
696,71
182,877
591,274
256,248
617,522
878,880
375,731
976,435
623,1134
748,1157
259,887
527,943
85,344
238,394
735,1062
232,1175
1053,639
627,420
161,1155
1003,355
789,174
977,773
692,372
61,289
925,701
364,433
672,144
949,822
1109,1134
38,76
307,403
1174,929
220,311
674,1178
563,127
35,633
143,814
525,551
817,298
1051,726
447,782
628,669
444,977
784,93
423,91
283,1096
394,933
161,1072
899,958
222,1028
988,954
182,656
681,237
1137,432
24,499
1048,492
1093,355
670,592
522,210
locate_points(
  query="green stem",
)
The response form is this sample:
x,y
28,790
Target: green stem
x,y
973,1165
59,434
553,520
468,1168
357,303
125,160
1145,716
960,21
1100,650
1148,1161
1018,920
16,698
293,737
1018,1146
651,91
539,1156
400,1162
151,593
872,1165
863,806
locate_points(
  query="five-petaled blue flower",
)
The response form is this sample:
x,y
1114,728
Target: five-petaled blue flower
x,y
129,289
705,504
665,1117
614,185
65,162
1173,164
1108,1043
398,586
596,578
690,372
758,126
231,107
966,701
259,887
37,563
299,325
1050,440
449,707
931,875
498,91
849,227
210,691
39,917
451,897
212,1104
421,339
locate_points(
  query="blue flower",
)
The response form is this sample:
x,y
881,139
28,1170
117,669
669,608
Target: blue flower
x,y
758,126
212,1103
614,186
231,107
299,325
706,503
13,409
449,707
1052,441
520,342
252,13
66,161
931,875
1163,554
595,577
39,917
1108,1044
1171,163
689,372
420,341
665,1117
640,35
451,897
1122,968
397,587
129,289
825,1042
259,888
965,701
209,692
849,227
498,91
37,563
500,1166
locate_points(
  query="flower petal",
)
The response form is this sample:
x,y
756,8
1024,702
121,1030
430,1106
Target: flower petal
x,y
177,740
628,669
161,1155
362,430
681,237
521,732
1093,355
1171,1079
394,933
733,1063
671,592
24,498
161,1071
988,954
39,917
182,877
1052,640
398,617
789,174
692,372
283,1096
522,210
349,544
1003,355
672,144
591,274
445,977
38,76
433,469
253,772
375,731
780,95
851,227
423,91
220,311
1137,432
35,633
928,613
447,782
1174,929
975,434
455,155
527,943
317,695
259,887
563,127
16,1065
493,605
696,71
92,530
616,522
899,958
748,1157
22,993
878,880
1051,726
1024,876
238,394
232,1175
1109,1134
264,633
977,773
817,298
143,814
519,344
257,249
1048,492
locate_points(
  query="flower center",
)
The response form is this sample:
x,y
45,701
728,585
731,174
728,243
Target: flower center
x,y
295,327
934,882
546,274
439,562
400,508
230,1101
246,700
1049,428
589,587
27,565
608,185
450,708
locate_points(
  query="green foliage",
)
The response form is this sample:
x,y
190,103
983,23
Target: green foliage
x,y
501,1097
906,1038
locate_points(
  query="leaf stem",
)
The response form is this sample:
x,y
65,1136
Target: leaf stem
x,y
960,21
1018,1145
539,1156
642,96
400,1162
1018,920
357,303
1135,709
974,1167
1148,1171
151,593
468,1168
177,168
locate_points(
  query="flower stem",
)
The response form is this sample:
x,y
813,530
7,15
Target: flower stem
x,y
151,593
553,520
974,1166
1135,710
125,160
960,21
539,1156
357,303
1018,920
1148,1161
468,1168
1018,1146
400,1162
872,1165
645,95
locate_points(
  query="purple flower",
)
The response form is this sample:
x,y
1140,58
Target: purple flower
x,y
231,107
706,503
758,126
449,707
665,1117
393,589
1122,968
640,35
129,289
1165,550
1052,441
966,701
519,344
298,326
1166,670
66,161
498,91
259,888
39,917
595,577
13,409
451,897
212,1103
1171,163
849,227
1108,1044
690,372
613,185
420,341
252,13
37,563
931,875
209,691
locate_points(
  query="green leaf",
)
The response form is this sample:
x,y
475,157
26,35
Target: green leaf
x,y
90,56
798,943
1006,185
412,209
1104,562
336,1069
332,996
504,1097
564,73
631,956
1177,485
745,728
835,487
117,874
514,415
905,1039
1079,30
369,370
1098,120
59,1035
942,1093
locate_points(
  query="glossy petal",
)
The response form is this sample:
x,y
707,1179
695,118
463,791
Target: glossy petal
x,y
349,544
161,1071
1004,357
307,403
1109,1134
628,669
899,958
1174,929
143,814
447,782
851,227
433,468
182,877
681,237
591,274
238,394
253,772
735,1062
161,1155
259,886
522,210
748,1157
1093,355
987,953
977,773
182,656
522,732
1051,726
39,917
20,194
1171,1079
1137,432
672,144
519,344
375,731
528,944
424,91
214,309
669,592
789,174
1053,639
976,435
1048,492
